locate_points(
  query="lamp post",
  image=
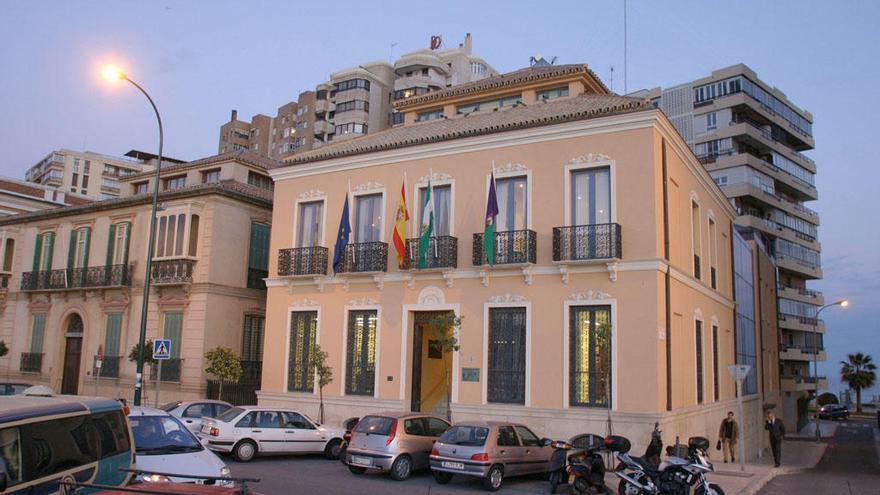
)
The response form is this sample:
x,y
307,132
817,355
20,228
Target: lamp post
x,y
115,74
842,303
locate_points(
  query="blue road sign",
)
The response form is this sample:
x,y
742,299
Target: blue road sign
x,y
161,349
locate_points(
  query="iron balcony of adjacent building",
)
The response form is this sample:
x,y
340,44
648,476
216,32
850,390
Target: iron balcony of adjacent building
x,y
93,277
302,261
109,367
801,294
805,268
798,383
585,243
31,362
512,247
172,272
801,353
741,97
442,252
365,257
170,370
801,323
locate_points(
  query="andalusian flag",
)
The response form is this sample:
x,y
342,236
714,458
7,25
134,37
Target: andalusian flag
x,y
400,221
426,230
489,232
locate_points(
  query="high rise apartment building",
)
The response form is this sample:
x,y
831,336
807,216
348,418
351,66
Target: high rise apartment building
x,y
751,139
353,102
91,174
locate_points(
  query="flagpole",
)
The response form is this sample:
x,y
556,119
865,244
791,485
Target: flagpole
x,y
348,203
433,230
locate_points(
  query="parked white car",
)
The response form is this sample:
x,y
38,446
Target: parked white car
x,y
164,445
192,412
247,431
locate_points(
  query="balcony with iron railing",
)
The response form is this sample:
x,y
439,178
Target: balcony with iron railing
x,y
93,277
800,294
364,257
109,367
170,370
441,252
587,243
800,185
302,261
512,247
31,362
172,272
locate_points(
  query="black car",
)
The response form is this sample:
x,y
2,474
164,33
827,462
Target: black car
x,y
833,411
10,388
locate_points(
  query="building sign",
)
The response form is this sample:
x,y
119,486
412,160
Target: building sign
x,y
470,374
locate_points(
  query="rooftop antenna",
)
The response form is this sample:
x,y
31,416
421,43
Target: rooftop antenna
x,y
624,48
391,53
611,80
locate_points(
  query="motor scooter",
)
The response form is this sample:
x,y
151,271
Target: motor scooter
x,y
579,464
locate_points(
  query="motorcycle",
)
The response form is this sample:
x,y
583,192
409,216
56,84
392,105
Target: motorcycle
x,y
674,476
349,425
583,468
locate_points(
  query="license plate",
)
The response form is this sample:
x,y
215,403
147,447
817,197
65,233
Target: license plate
x,y
205,428
363,461
452,465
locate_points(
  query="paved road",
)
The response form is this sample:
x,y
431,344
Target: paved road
x,y
850,465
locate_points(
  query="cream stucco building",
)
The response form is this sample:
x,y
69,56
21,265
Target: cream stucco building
x,y
606,221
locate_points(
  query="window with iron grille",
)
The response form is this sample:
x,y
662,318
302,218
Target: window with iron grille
x,y
303,326
506,377
360,356
699,345
252,338
715,376
589,359
258,256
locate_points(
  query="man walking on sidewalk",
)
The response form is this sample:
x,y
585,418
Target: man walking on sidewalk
x,y
777,432
728,432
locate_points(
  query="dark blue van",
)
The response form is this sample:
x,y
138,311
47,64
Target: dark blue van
x,y
47,440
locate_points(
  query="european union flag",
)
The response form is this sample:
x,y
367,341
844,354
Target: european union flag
x,y
342,237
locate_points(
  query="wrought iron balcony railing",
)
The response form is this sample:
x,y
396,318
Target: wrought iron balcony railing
x,y
170,370
511,247
302,261
110,367
77,278
365,257
31,362
587,242
804,320
172,272
442,253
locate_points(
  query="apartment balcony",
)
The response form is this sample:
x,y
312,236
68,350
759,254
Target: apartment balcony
x,y
109,367
760,136
742,98
513,247
775,229
442,253
794,383
323,127
93,277
31,362
304,261
172,272
170,370
802,295
770,198
365,257
801,323
804,268
585,243
732,158
802,353
324,106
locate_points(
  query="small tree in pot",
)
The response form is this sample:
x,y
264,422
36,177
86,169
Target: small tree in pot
x,y
224,364
445,327
324,374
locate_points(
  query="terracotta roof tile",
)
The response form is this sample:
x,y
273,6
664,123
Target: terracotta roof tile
x,y
542,113
243,156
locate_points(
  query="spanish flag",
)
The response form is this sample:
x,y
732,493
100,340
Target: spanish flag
x,y
400,220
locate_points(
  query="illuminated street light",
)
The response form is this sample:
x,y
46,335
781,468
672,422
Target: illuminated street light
x,y
842,303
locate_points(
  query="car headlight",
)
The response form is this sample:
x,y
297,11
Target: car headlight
x,y
154,478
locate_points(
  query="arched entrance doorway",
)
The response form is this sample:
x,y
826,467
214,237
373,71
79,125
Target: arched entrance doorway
x,y
72,354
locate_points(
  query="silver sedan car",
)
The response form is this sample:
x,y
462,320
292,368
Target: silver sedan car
x,y
394,442
489,450
192,412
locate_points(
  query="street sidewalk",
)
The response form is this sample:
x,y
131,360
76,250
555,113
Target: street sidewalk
x,y
797,455
826,429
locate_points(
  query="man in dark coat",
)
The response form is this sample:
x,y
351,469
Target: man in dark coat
x,y
777,432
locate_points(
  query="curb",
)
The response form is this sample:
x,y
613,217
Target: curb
x,y
756,485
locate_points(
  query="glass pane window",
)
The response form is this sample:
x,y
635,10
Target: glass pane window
x,y
360,358
172,183
39,325
442,208
368,224
173,331
170,231
591,196
506,377
698,336
211,176
303,327
120,243
589,356
311,215
81,248
111,337
512,195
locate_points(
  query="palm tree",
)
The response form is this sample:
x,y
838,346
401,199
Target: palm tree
x,y
859,373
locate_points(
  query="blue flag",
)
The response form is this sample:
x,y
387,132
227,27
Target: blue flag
x,y
342,237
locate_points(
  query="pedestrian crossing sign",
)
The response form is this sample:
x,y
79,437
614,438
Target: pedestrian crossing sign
x,y
161,349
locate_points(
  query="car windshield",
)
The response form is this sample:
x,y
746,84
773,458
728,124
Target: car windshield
x,y
465,435
230,414
169,406
374,425
155,435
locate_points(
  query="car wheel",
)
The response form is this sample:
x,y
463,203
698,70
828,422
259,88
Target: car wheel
x,y
494,478
442,478
244,451
357,469
332,450
401,468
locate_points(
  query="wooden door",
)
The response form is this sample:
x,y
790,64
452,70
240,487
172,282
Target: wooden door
x,y
72,354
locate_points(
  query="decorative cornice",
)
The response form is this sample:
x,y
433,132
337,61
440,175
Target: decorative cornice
x,y
590,158
590,295
312,193
304,303
436,176
363,301
507,298
367,187
511,167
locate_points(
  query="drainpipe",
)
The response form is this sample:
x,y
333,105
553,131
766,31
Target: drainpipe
x,y
668,277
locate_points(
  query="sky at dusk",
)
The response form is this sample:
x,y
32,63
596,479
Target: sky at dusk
x,y
199,60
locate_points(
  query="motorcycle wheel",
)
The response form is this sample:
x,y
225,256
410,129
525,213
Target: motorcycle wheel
x,y
625,488
714,489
